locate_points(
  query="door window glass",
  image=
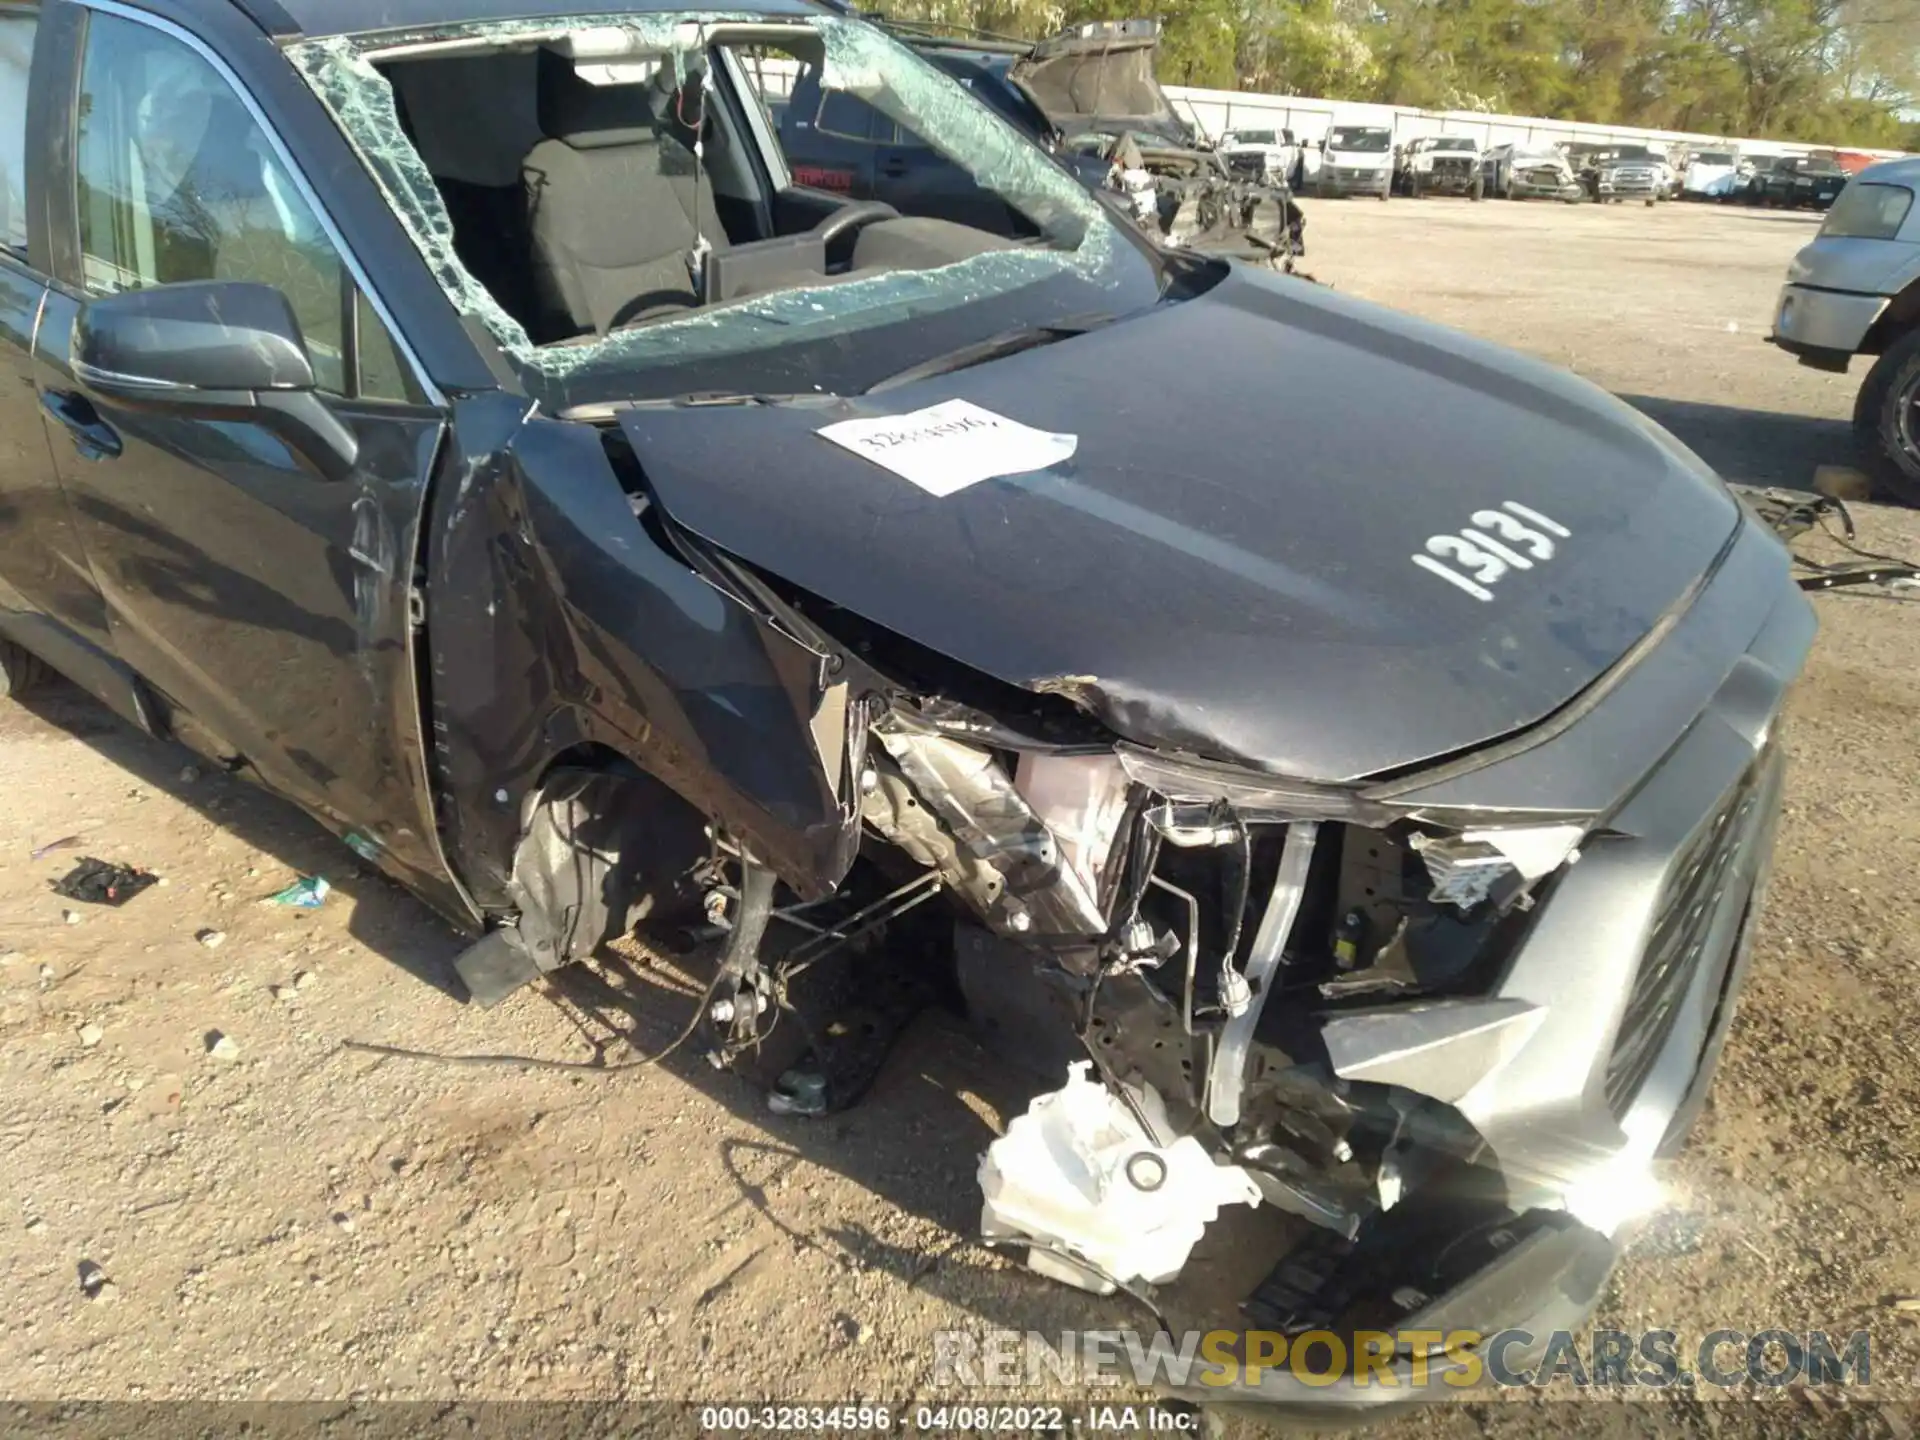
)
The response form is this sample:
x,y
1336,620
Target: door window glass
x,y
17,29
850,118
177,181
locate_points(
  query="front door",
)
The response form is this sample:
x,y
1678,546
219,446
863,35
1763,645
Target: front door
x,y
268,603
44,579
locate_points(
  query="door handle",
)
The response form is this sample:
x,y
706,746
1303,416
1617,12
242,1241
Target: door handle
x,y
91,436
893,169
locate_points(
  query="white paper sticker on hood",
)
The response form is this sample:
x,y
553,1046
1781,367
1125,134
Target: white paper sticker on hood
x,y
947,447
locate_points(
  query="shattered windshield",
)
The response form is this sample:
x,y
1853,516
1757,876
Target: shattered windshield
x,y
1343,138
586,190
1453,144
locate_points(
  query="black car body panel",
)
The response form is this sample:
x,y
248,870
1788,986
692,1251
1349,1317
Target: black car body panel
x,y
561,624
1133,550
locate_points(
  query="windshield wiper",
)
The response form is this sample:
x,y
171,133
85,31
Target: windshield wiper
x,y
595,411
978,352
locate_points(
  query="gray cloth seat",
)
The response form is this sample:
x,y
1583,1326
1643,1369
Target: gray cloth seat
x,y
612,204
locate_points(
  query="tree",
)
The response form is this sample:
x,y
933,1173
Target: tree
x,y
1839,72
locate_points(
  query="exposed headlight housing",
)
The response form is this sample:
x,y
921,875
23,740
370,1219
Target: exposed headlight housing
x,y
1472,866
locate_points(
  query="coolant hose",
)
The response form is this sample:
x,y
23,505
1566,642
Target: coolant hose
x,y
1228,1075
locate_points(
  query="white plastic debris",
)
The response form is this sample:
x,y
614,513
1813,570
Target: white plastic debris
x,y
1078,1172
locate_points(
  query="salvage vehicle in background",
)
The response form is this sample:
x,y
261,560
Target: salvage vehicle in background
x,y
1537,172
1356,160
1796,181
1625,172
1855,290
1442,165
1272,156
1709,174
1747,172
1177,189
775,576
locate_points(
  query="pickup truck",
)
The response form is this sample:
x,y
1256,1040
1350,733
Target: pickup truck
x,y
1269,155
1531,172
1442,165
606,535
1796,181
1855,290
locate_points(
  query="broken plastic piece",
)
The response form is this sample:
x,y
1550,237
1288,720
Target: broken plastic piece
x,y
101,882
1228,1075
309,892
1078,1173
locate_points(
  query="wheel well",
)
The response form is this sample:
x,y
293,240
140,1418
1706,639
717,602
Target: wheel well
x,y
608,844
1896,320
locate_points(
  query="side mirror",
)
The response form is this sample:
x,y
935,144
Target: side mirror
x,y
212,350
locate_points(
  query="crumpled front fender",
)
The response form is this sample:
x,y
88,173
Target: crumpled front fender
x,y
556,621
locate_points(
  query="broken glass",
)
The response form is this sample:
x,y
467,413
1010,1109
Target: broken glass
x,y
1081,240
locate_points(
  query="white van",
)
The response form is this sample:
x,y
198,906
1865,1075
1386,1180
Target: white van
x,y
1356,159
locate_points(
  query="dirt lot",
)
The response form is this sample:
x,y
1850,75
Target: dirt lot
x,y
299,1222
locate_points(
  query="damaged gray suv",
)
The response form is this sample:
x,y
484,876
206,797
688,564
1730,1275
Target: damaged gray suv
x,y
455,416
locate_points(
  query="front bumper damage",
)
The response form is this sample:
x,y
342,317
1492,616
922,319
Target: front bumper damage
x,y
1557,1087
1545,182
1449,179
1440,1024
1194,200
1450,1108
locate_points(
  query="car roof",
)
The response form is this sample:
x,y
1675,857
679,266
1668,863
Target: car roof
x,y
1904,171
352,17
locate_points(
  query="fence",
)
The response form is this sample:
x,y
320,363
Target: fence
x,y
1216,112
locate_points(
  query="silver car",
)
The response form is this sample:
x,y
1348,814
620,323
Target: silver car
x,y
1856,291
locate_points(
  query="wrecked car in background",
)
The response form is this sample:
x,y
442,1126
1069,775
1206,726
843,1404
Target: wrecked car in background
x,y
1520,172
1089,98
1096,84
693,552
1441,165
1270,155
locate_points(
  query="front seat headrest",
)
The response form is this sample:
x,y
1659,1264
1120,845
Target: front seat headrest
x,y
585,116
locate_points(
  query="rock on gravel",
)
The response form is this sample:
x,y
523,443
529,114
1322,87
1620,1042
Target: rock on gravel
x,y
222,1047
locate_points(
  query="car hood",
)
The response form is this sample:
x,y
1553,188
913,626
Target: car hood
x,y
1087,83
1850,262
1225,564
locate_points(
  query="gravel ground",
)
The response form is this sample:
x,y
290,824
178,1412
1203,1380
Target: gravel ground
x,y
276,1218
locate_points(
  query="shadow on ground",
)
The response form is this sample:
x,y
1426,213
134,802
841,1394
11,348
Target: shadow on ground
x,y
1754,447
386,919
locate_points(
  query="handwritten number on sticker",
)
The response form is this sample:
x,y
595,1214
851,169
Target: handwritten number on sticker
x,y
1498,542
